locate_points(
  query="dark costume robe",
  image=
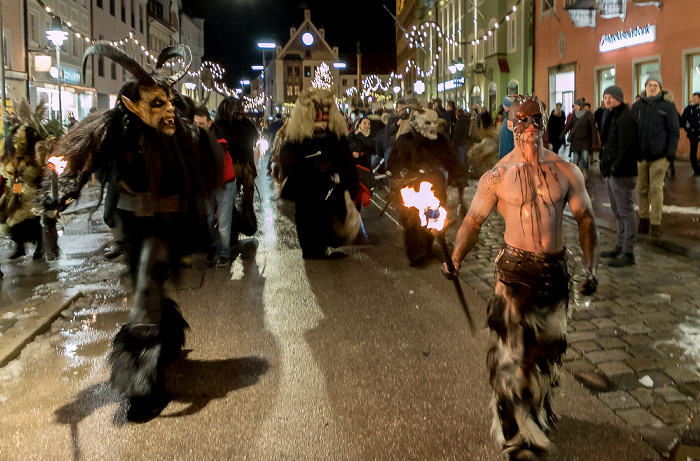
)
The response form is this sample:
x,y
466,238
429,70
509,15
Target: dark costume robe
x,y
318,171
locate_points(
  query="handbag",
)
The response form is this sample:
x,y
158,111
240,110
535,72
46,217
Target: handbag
x,y
347,231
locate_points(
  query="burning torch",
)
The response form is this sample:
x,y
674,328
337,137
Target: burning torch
x,y
56,165
433,216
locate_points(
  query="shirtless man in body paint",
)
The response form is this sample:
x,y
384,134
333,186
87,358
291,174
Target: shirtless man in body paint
x,y
530,187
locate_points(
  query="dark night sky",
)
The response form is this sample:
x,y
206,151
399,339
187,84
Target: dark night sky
x,y
234,27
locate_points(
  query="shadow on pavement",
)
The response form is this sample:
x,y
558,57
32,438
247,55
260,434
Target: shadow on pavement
x,y
198,382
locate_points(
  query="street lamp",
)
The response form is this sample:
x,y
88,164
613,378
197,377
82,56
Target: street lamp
x,y
57,36
266,46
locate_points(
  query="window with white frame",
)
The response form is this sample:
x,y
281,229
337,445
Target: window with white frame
x,y
512,33
480,46
492,44
470,50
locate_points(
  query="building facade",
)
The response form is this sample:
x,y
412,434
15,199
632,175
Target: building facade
x,y
584,47
15,52
293,66
491,42
77,96
123,22
192,35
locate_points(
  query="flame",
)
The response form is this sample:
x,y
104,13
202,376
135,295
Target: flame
x,y
57,164
432,215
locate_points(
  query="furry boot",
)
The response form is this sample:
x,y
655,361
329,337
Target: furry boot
x,y
139,355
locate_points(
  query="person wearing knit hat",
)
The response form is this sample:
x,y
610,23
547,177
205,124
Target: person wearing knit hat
x,y
654,76
616,92
618,165
506,141
659,132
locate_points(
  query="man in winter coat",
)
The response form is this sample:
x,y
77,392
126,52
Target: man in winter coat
x,y
659,131
690,121
555,125
583,135
618,165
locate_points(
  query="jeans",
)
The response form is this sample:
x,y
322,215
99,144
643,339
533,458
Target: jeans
x,y
650,187
462,154
221,211
622,196
580,159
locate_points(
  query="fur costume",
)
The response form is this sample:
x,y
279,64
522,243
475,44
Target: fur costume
x,y
527,318
421,153
22,162
318,174
166,168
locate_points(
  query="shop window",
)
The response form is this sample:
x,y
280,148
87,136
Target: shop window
x,y
693,74
605,78
512,32
470,50
296,90
480,46
290,90
492,43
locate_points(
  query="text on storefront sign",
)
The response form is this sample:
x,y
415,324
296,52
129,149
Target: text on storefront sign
x,y
623,39
451,84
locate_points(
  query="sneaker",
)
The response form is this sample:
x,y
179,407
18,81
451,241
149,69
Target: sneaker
x,y
222,261
614,253
643,227
656,230
626,259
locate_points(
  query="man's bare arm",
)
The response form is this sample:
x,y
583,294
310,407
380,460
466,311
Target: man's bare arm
x,y
582,210
482,204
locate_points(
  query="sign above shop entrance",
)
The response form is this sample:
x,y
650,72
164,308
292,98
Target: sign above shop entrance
x,y
451,84
631,37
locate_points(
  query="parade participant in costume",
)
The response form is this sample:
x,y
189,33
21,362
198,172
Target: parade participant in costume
x,y
419,154
318,174
166,169
231,124
527,312
22,162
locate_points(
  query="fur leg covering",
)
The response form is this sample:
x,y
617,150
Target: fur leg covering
x,y
527,344
139,355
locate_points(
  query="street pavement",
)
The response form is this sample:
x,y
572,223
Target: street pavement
x,y
634,347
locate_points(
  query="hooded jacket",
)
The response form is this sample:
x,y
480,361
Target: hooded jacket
x,y
620,140
658,126
583,132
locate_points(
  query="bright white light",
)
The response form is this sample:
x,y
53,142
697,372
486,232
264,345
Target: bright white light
x,y
257,67
266,45
57,37
307,39
53,72
190,86
419,87
612,71
339,65
245,82
397,89
459,66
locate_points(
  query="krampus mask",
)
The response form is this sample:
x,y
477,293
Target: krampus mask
x,y
154,105
527,111
424,121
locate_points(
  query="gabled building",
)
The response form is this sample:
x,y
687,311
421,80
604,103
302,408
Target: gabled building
x,y
293,66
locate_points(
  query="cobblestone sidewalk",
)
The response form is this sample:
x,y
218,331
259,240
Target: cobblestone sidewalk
x,y
637,345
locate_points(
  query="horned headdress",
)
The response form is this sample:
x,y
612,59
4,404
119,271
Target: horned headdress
x,y
145,78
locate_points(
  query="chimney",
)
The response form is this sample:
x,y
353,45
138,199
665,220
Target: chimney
x,y
307,15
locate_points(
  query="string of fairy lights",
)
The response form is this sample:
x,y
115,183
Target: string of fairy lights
x,y
210,74
419,33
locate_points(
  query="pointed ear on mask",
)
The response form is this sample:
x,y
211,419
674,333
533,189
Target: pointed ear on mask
x,y
131,106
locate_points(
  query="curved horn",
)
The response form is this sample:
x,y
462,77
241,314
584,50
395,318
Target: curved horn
x,y
103,48
175,51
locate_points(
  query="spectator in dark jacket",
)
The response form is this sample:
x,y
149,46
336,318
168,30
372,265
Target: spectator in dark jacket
x,y
583,136
690,122
382,143
451,117
618,165
659,131
555,125
460,138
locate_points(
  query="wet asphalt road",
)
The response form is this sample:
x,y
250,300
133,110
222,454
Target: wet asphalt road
x,y
358,358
